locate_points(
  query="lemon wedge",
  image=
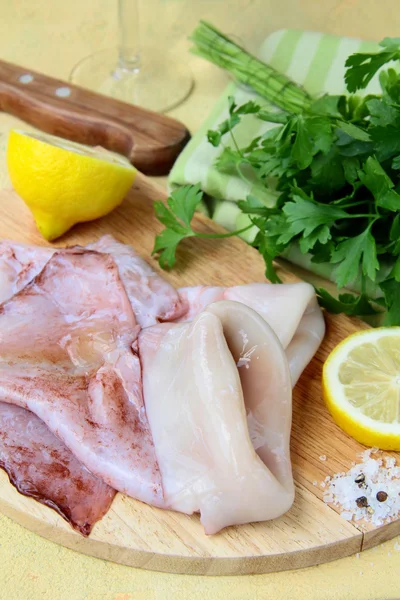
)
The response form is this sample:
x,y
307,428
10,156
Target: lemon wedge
x,y
361,386
64,183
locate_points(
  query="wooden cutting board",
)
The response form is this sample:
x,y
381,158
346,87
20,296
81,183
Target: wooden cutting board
x,y
135,534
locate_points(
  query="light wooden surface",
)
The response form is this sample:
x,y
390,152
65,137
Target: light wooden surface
x,y
135,534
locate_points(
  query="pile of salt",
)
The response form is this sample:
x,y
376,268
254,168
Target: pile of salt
x,y
369,491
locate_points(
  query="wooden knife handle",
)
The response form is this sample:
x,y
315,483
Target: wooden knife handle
x,y
151,141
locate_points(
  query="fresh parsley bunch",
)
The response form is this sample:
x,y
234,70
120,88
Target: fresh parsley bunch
x,y
336,168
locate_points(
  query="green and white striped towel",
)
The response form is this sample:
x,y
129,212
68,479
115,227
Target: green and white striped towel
x,y
316,61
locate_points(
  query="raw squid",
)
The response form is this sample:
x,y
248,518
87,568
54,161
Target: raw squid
x,y
19,264
291,310
66,355
153,299
39,465
181,400
218,399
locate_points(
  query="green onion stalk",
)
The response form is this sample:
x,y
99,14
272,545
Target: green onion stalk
x,y
212,45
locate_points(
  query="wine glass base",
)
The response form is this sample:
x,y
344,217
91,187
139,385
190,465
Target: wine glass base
x,y
160,85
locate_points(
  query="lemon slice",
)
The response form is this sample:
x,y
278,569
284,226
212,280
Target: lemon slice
x,y
64,183
361,386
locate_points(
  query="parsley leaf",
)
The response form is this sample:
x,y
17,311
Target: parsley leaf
x,y
302,150
268,251
273,117
351,254
214,137
248,108
253,206
184,201
320,234
165,245
391,291
351,166
228,161
322,252
167,217
395,229
349,304
304,217
390,84
356,133
235,114
386,141
313,134
375,178
391,44
327,173
177,216
382,113
361,67
394,235
395,273
327,105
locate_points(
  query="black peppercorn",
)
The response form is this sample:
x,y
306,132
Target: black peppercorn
x,y
381,496
360,478
362,502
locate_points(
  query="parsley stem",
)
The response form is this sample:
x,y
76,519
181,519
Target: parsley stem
x,y
223,235
351,204
242,175
235,142
369,216
363,284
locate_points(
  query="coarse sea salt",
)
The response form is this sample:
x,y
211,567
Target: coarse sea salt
x,y
375,473
347,515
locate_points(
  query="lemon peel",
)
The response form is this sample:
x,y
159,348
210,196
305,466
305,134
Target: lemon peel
x,y
64,183
361,386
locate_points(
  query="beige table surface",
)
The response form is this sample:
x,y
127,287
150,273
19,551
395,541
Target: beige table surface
x,y
51,36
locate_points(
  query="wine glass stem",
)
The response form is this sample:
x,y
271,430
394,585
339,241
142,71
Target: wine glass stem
x,y
129,41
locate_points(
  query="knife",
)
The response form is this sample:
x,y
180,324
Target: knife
x,y
151,141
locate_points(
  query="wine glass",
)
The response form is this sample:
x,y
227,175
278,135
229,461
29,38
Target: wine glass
x,y
146,75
